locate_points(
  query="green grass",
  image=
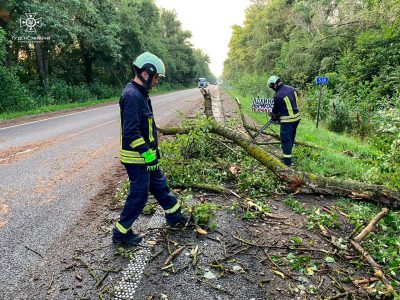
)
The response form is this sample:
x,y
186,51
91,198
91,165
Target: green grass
x,y
346,156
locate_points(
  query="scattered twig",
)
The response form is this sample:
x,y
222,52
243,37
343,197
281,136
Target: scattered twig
x,y
215,287
153,257
371,225
203,186
280,247
102,279
377,268
337,283
51,284
358,282
91,271
353,233
276,266
324,230
173,255
260,209
33,251
341,295
194,253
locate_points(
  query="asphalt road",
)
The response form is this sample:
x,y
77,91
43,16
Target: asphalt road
x,y
50,168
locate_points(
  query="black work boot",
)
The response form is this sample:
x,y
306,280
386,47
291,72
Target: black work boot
x,y
127,239
177,220
287,161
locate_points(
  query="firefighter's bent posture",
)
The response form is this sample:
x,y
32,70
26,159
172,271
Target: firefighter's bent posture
x,y
286,112
139,151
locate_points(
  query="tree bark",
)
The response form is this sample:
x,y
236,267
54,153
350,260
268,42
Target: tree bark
x,y
87,62
40,63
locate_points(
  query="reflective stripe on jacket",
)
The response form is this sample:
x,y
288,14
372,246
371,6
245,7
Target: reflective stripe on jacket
x,y
138,129
285,104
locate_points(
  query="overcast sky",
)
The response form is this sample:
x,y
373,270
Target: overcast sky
x,y
210,22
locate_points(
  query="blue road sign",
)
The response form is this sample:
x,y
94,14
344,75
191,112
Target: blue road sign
x,y
321,80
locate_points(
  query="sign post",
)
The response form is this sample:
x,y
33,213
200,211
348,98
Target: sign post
x,y
320,81
262,105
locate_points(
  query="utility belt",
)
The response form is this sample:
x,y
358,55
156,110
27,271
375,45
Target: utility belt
x,y
289,119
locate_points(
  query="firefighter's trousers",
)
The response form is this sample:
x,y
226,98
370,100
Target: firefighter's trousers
x,y
141,182
288,136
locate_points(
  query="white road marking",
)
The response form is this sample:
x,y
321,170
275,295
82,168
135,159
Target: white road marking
x,y
131,276
91,128
80,112
15,154
68,136
71,114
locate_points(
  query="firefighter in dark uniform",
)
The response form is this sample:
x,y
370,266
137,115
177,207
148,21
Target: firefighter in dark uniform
x,y
139,151
285,112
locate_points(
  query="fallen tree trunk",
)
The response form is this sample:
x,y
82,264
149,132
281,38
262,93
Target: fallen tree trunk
x,y
302,181
296,180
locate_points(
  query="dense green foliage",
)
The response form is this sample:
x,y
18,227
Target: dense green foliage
x,y
354,43
202,158
87,50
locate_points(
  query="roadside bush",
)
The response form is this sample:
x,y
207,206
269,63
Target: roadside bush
x,y
338,118
387,138
99,90
59,92
310,103
14,96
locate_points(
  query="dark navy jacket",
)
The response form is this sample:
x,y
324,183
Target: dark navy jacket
x,y
285,104
138,129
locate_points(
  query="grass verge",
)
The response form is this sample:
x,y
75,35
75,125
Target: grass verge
x,y
346,156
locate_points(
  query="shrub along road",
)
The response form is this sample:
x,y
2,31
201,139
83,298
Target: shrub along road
x,y
50,169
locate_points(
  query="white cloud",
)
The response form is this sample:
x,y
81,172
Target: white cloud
x,y
210,22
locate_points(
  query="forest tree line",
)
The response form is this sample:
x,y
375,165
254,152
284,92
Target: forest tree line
x,y
87,49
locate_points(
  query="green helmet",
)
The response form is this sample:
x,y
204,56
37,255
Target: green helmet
x,y
151,63
272,80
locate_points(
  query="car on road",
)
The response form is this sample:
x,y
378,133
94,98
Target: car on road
x,y
202,82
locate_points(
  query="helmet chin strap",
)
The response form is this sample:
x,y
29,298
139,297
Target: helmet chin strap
x,y
147,83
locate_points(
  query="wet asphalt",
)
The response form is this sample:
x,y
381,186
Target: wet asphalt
x,y
49,171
